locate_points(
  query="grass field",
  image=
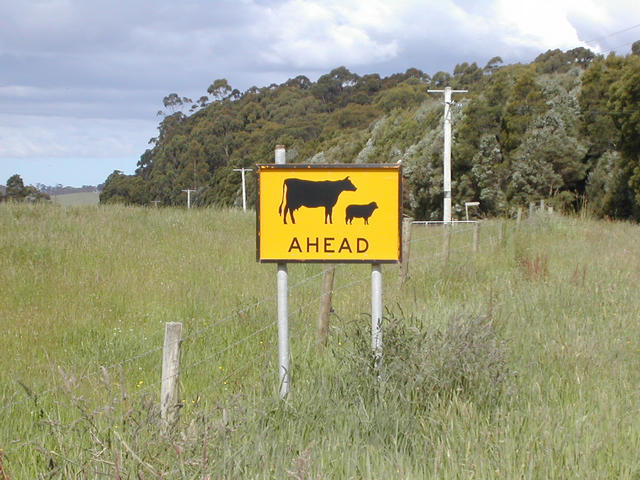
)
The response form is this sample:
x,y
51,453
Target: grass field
x,y
519,361
77,199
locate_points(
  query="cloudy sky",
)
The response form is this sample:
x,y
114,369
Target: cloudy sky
x,y
81,81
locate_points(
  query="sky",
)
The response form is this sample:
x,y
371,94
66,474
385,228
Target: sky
x,y
81,81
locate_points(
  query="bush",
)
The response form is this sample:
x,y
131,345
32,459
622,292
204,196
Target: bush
x,y
465,359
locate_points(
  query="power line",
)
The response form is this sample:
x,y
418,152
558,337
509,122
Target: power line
x,y
612,34
619,46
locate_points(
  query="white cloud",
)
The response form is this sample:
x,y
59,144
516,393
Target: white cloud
x,y
548,24
24,136
314,34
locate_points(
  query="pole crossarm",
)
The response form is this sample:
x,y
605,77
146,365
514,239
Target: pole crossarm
x,y
452,91
188,191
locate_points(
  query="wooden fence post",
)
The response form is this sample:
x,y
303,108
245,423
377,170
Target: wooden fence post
x,y
325,304
476,237
407,222
170,372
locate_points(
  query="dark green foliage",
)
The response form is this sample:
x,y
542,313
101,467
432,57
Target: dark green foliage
x,y
15,187
557,61
564,128
16,191
609,101
127,189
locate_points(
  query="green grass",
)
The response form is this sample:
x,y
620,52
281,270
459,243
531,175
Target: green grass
x,y
519,361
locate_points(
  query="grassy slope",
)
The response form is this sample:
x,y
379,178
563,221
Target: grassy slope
x,y
77,199
92,286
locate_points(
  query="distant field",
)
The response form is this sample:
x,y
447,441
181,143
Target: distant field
x,y
77,199
518,361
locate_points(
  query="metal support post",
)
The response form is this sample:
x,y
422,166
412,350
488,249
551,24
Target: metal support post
x,y
376,313
284,374
283,329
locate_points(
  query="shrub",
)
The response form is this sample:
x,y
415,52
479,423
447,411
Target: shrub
x,y
465,359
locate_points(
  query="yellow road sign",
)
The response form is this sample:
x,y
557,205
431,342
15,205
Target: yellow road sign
x,y
329,213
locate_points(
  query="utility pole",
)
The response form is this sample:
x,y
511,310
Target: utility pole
x,y
446,216
244,188
188,190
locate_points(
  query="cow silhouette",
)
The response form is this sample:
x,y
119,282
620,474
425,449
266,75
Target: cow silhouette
x,y
307,193
360,211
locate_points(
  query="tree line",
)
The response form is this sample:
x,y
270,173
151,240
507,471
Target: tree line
x,y
16,191
564,128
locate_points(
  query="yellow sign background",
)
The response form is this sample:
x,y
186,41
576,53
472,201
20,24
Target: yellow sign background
x,y
310,239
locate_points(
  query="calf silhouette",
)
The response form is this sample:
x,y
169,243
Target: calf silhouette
x,y
307,193
360,211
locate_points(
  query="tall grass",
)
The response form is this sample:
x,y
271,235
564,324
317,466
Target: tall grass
x,y
520,361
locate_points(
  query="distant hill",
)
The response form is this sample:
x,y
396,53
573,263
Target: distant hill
x,y
77,199
85,195
60,190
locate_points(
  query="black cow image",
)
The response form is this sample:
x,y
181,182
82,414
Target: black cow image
x,y
360,211
307,193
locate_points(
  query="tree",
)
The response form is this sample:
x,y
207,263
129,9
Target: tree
x,y
465,75
440,80
219,89
335,87
525,102
492,65
598,124
17,191
624,101
127,189
15,187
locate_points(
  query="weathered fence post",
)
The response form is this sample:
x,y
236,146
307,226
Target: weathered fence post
x,y
532,209
325,303
170,372
519,219
500,232
476,237
407,222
